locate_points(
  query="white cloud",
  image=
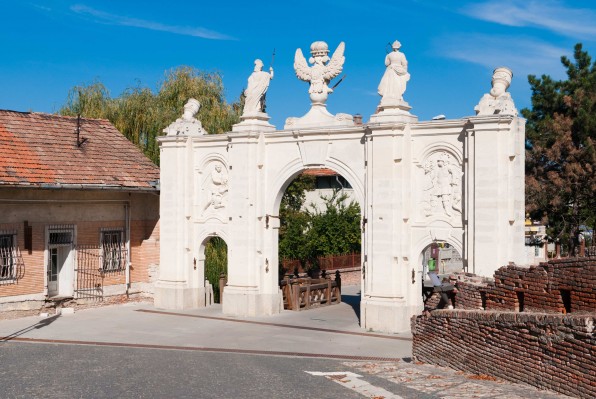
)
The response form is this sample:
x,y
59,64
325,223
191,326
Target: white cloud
x,y
546,14
40,7
107,18
522,55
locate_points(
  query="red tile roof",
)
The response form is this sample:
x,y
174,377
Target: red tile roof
x,y
320,172
40,150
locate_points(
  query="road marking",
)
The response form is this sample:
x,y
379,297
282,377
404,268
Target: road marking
x,y
352,381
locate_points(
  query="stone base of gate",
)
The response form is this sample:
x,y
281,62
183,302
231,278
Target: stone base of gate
x,y
178,295
386,315
240,301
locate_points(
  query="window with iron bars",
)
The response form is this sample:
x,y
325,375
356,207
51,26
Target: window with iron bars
x,y
7,257
113,251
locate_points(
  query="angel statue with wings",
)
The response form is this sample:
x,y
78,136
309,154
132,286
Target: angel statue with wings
x,y
323,70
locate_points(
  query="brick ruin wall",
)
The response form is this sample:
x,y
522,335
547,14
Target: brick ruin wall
x,y
533,325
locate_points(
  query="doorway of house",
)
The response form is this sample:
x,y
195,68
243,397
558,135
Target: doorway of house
x,y
60,267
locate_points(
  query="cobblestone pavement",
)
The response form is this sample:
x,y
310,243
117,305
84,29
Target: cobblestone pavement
x,y
424,381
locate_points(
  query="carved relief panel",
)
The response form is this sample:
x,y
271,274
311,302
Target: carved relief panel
x,y
441,186
214,188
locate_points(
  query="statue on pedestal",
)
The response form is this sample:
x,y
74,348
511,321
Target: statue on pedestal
x,y
392,107
393,83
498,101
322,71
187,124
255,92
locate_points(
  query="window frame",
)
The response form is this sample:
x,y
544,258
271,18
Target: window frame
x,y
113,259
8,273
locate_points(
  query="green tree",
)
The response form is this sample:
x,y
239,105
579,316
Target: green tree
x,y
141,114
293,221
561,159
307,233
334,230
216,264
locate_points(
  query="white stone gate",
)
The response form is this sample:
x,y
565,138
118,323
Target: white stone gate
x,y
458,181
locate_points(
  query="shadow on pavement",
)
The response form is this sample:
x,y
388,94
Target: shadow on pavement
x,y
40,324
354,301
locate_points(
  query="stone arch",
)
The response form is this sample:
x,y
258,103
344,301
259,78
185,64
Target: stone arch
x,y
432,236
293,168
204,238
284,178
437,147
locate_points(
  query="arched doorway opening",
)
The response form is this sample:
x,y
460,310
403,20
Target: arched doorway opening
x,y
320,238
215,262
442,259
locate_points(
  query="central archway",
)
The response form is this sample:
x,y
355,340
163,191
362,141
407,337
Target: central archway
x,y
320,235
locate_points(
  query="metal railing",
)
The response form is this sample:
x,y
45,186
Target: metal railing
x,y
94,262
12,267
113,257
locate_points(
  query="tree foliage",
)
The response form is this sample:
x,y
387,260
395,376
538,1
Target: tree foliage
x,y
561,160
141,114
216,264
293,221
307,233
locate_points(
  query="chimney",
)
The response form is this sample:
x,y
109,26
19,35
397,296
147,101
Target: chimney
x,y
358,120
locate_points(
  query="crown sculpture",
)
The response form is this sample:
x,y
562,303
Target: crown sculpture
x,y
322,71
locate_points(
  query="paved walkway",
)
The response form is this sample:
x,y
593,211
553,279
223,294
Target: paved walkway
x,y
330,332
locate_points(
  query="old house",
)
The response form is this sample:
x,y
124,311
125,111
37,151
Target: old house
x,y
79,212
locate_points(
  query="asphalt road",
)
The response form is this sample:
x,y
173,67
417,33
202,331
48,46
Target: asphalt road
x,y
78,371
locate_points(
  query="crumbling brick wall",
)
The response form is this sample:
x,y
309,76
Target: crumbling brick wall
x,y
559,286
547,351
532,325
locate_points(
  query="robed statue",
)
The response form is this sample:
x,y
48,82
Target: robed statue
x,y
393,83
258,83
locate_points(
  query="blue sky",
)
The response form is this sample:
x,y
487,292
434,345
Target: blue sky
x,y
451,46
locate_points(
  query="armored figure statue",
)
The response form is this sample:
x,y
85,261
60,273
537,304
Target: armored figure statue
x,y
441,188
498,101
322,71
393,83
258,83
187,124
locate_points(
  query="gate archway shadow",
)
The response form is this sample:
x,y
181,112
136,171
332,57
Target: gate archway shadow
x,y
352,296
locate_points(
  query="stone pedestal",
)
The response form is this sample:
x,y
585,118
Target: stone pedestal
x,y
245,301
395,111
258,122
386,314
318,116
177,295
